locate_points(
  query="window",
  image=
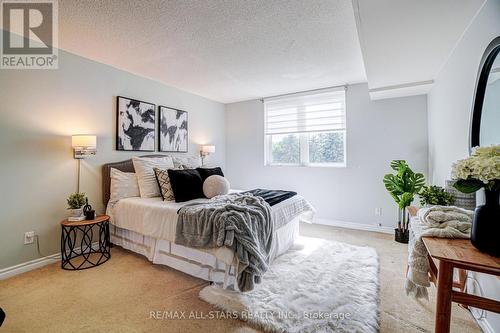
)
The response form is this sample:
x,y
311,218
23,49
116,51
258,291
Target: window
x,y
306,129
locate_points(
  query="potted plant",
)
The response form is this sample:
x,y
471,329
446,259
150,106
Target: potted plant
x,y
435,195
482,170
76,201
403,186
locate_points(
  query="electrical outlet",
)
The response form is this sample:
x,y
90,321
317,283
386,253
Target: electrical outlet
x,y
378,211
29,237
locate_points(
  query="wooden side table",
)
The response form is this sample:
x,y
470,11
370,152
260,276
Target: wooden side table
x,y
77,240
461,254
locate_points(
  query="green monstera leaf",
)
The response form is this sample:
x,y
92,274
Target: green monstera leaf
x,y
416,182
396,165
393,184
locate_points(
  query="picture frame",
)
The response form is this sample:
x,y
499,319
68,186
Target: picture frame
x,y
135,125
173,135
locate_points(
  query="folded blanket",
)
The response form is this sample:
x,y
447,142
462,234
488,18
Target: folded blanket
x,y
241,222
272,197
445,221
435,215
435,221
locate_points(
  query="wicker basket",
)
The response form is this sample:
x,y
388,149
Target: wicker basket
x,y
462,200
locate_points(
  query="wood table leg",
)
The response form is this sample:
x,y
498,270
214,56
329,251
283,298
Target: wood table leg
x,y
462,280
443,303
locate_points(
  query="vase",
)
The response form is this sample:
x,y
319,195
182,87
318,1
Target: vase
x,y
486,225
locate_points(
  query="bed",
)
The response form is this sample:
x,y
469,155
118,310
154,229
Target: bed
x,y
147,226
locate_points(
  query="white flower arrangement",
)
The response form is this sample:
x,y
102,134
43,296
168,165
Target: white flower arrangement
x,y
481,169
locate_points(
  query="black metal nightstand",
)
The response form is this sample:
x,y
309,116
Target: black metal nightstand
x,y
77,240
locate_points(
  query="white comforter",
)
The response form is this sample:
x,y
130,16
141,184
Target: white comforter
x,y
157,218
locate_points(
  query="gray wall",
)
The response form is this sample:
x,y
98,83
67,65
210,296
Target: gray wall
x,y
449,108
377,132
40,110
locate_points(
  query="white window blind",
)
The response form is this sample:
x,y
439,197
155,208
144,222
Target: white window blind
x,y
319,111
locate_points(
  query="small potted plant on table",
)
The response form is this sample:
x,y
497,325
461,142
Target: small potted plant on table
x,y
76,201
403,186
435,195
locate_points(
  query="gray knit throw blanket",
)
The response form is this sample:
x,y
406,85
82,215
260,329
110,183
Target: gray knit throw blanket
x,y
240,222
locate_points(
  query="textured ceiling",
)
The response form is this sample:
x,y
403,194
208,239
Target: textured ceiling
x,y
227,51
405,43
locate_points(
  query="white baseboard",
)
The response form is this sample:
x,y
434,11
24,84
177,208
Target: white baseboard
x,y
34,264
355,226
29,265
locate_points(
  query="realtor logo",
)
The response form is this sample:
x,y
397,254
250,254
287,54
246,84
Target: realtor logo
x,y
29,34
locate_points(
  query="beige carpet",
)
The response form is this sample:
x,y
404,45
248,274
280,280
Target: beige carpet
x,y
120,295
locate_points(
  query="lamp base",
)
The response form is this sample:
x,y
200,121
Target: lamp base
x,y
203,156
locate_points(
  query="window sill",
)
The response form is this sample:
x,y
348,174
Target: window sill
x,y
334,166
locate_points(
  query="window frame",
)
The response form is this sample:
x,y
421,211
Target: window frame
x,y
304,152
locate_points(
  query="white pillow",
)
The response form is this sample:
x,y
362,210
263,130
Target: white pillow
x,y
187,162
123,185
215,185
148,186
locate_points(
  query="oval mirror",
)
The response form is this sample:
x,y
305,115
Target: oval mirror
x,y
485,125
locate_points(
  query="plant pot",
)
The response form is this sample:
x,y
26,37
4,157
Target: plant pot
x,y
76,212
401,236
76,215
486,225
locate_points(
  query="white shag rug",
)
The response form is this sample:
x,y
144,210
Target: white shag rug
x,y
317,286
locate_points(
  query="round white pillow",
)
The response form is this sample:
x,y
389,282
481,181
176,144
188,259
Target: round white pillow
x,y
215,185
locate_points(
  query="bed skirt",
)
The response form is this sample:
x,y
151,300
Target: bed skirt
x,y
195,262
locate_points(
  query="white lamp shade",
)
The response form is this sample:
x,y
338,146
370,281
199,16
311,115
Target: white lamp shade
x,y
84,141
208,149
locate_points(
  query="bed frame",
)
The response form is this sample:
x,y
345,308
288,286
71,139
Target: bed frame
x,y
125,166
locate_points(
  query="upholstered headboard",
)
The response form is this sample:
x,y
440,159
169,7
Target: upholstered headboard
x,y
125,166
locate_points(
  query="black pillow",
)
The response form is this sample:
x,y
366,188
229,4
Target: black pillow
x,y
186,184
207,172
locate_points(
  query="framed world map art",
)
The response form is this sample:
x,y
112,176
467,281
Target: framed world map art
x,y
135,125
173,134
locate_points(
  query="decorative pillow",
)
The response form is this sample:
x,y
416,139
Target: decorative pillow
x,y
164,183
148,186
123,185
187,162
186,184
215,185
207,172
